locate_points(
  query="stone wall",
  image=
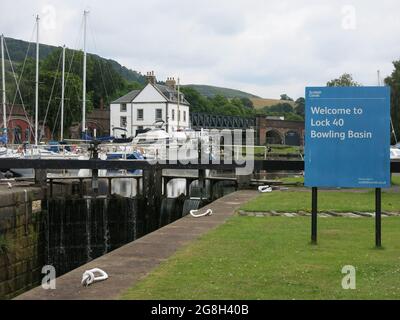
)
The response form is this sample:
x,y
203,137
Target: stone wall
x,y
21,240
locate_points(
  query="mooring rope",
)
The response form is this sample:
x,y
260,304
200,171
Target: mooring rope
x,y
88,277
264,189
205,214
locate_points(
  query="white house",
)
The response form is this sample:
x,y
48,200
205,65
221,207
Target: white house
x,y
140,109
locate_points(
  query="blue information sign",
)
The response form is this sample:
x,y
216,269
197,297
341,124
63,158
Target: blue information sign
x,y
347,141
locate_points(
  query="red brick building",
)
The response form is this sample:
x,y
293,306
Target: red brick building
x,y
21,125
272,131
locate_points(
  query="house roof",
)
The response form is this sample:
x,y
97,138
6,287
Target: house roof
x,y
128,97
170,94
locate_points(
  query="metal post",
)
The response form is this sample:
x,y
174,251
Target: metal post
x,y
109,187
378,212
188,183
95,172
314,214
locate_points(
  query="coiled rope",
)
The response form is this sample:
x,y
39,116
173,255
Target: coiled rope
x,y
205,214
88,277
264,189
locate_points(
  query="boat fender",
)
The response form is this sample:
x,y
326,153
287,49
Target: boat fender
x,y
205,214
265,189
89,276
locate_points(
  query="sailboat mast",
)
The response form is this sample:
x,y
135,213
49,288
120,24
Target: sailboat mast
x,y
62,94
379,77
179,98
3,74
37,83
85,13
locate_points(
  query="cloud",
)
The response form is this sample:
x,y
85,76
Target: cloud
x,y
264,47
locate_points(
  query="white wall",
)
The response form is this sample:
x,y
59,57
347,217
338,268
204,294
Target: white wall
x,y
149,114
115,118
173,124
149,99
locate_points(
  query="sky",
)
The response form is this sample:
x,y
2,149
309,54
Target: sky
x,y
264,47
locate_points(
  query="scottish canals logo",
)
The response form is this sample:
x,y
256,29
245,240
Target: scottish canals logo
x,y
314,94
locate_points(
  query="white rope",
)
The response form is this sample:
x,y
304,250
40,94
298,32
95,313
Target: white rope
x,y
265,189
205,214
88,277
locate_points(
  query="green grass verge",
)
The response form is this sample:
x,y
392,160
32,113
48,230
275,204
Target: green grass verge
x,y
271,258
275,150
298,180
396,180
294,201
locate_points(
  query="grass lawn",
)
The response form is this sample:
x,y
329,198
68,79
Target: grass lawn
x,y
275,150
396,180
300,180
294,201
271,258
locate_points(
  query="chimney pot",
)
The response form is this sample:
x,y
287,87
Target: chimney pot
x,y
151,78
171,83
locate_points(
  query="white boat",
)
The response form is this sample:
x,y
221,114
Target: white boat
x,y
157,144
394,153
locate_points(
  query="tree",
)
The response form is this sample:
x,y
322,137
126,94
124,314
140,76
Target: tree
x,y
300,105
103,85
218,104
246,102
281,107
49,95
345,80
394,82
286,97
198,103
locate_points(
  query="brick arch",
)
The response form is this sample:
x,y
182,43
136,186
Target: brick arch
x,y
22,124
282,126
293,137
274,136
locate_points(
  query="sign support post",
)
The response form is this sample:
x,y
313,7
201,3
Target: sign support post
x,y
378,214
314,215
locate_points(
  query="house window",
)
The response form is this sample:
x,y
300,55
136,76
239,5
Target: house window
x,y
173,114
123,107
158,114
140,114
179,115
184,116
123,122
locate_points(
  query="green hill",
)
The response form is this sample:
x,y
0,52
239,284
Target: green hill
x,y
211,91
18,48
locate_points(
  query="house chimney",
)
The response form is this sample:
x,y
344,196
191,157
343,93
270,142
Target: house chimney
x,y
171,83
151,78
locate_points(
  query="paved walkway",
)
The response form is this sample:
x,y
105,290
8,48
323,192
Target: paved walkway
x,y
130,263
